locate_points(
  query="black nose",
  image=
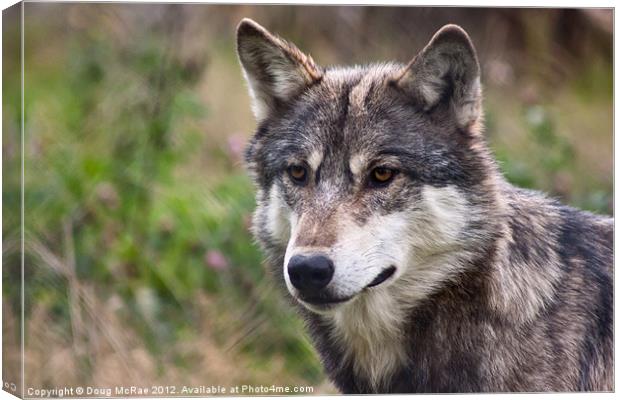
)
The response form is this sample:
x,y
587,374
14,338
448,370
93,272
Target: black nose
x,y
310,273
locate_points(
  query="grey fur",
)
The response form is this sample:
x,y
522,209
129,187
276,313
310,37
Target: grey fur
x,y
496,288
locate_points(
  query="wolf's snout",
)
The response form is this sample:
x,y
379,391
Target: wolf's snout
x,y
309,274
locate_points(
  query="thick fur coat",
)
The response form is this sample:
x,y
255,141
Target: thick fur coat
x,y
415,265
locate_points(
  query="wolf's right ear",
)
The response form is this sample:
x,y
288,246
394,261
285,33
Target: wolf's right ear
x,y
276,70
446,70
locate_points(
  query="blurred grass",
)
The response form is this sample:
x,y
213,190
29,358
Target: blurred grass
x,y
139,264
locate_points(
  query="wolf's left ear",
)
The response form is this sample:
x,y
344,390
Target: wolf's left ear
x,y
446,70
276,70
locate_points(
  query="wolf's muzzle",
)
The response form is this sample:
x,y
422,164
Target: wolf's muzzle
x,y
310,274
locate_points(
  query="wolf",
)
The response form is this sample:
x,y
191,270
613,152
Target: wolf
x,y
415,265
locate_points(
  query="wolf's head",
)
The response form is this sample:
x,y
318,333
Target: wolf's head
x,y
367,176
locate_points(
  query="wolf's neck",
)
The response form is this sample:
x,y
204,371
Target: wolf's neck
x,y
370,331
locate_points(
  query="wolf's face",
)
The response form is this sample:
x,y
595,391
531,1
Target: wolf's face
x,y
365,174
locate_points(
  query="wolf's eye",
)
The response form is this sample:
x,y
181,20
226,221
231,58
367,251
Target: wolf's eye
x,y
298,174
381,176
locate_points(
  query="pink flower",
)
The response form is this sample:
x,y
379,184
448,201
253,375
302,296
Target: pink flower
x,y
216,260
236,145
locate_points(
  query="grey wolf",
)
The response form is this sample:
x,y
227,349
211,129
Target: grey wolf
x,y
416,266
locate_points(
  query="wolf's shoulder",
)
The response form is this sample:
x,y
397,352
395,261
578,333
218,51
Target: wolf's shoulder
x,y
573,233
532,203
546,250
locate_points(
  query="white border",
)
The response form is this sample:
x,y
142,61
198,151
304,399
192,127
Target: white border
x,y
480,3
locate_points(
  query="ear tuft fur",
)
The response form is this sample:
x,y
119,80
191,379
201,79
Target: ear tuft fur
x,y
446,69
275,69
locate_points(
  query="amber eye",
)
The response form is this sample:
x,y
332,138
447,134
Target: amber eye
x,y
381,176
298,174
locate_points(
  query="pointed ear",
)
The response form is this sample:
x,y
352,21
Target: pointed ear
x,y
446,70
276,70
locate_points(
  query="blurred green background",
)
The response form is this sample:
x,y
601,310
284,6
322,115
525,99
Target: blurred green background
x,y
139,265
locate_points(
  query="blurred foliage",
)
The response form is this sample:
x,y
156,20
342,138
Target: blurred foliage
x,y
138,207
106,124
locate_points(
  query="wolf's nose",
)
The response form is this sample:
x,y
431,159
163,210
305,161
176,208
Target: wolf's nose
x,y
310,273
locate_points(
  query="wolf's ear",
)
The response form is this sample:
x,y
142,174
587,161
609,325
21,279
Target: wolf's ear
x,y
275,70
446,70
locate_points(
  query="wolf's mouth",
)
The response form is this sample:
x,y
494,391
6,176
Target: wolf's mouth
x,y
323,300
383,276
